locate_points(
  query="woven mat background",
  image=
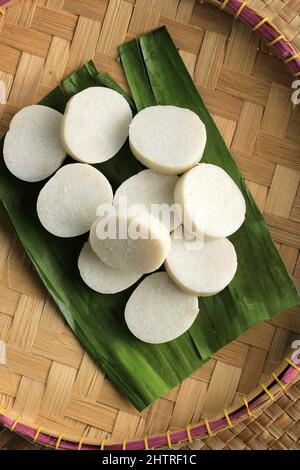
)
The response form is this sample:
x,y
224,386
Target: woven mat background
x,y
48,378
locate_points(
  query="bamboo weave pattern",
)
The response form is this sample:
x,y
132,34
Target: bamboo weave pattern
x,y
249,94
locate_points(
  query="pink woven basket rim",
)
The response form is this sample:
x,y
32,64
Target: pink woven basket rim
x,y
262,397
266,30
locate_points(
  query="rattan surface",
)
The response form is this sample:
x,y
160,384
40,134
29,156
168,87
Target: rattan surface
x,y
249,94
283,14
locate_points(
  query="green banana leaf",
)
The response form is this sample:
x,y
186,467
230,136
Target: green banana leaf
x,y
140,371
261,288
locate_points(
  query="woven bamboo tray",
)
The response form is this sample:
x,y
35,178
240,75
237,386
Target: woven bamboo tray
x,y
50,390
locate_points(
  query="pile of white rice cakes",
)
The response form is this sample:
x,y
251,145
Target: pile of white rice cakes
x,y
203,204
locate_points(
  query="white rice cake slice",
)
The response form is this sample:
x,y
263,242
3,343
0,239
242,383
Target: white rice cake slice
x,y
32,148
95,125
158,312
155,192
67,204
167,139
100,277
139,243
211,202
201,272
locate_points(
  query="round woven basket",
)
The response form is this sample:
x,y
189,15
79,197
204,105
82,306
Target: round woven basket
x,y
248,395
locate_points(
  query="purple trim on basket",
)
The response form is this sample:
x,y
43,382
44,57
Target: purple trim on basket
x,y
291,373
3,2
196,431
266,31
